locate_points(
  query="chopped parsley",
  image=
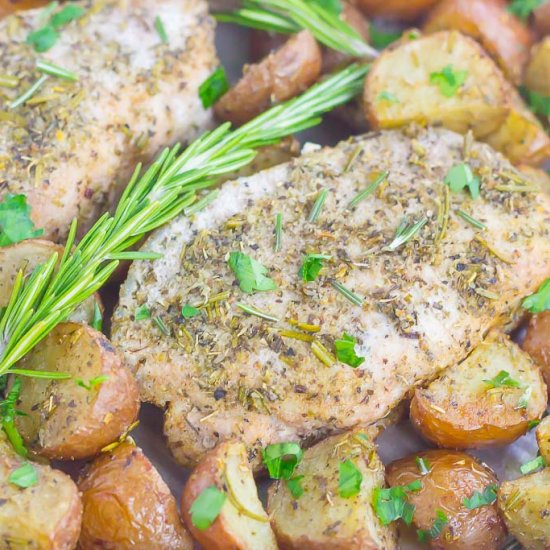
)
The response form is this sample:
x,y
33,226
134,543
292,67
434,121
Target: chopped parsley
x,y
503,380
424,535
391,504
477,500
97,321
250,273
349,479
448,80
311,266
533,466
523,8
15,222
142,312
381,38
207,507
92,383
294,485
8,413
213,87
159,27
25,476
281,459
533,424
539,301
345,351
384,95
68,14
188,311
460,176
423,465
539,104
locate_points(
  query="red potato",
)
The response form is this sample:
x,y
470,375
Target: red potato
x,y
127,505
278,77
404,10
11,6
537,72
452,477
541,19
537,342
64,420
543,438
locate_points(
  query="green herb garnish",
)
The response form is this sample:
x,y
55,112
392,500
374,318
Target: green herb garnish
x,y
294,485
368,190
188,311
384,95
405,233
207,507
93,382
349,479
15,222
250,273
281,459
311,266
539,104
347,293
97,321
142,312
423,465
213,87
533,424
448,80
159,27
256,312
278,232
391,504
47,67
540,300
27,94
8,413
459,177
523,402
25,476
318,205
523,8
502,380
477,500
533,465
161,325
471,220
68,14
424,535
345,351
381,38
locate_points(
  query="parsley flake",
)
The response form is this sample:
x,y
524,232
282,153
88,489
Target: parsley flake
x,y
25,476
391,504
294,485
68,14
93,382
424,535
43,39
207,507
213,87
503,379
448,80
349,479
533,465
311,266
15,222
97,321
159,27
540,300
250,273
538,103
381,38
523,8
477,500
188,311
281,459
142,312
345,351
461,176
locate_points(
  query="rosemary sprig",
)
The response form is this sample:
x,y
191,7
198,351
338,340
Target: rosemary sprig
x,y
278,232
368,190
471,220
257,312
47,67
54,289
290,16
347,293
318,205
405,233
25,96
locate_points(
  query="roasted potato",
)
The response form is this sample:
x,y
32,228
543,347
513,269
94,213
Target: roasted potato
x,y
242,522
10,6
541,18
405,85
127,504
525,506
75,418
26,255
404,10
502,35
281,75
537,342
322,519
452,477
543,438
473,404
537,72
44,516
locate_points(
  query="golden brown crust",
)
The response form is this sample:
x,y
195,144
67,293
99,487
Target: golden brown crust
x,y
404,10
537,342
543,438
537,72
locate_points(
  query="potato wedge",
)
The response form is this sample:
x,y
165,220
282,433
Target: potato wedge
x,y
26,255
322,519
525,506
504,37
242,523
128,505
44,516
541,19
280,76
473,404
404,10
537,342
452,477
398,90
543,438
75,418
537,72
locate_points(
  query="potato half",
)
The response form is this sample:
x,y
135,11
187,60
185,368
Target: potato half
x,y
473,405
502,35
403,73
44,516
25,256
537,342
322,519
452,477
404,10
75,418
127,504
537,72
543,438
525,506
242,522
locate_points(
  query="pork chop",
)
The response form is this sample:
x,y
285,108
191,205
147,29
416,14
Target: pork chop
x,y
419,307
73,145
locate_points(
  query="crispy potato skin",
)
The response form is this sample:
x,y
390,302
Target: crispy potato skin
x,y
280,76
45,516
404,10
459,410
541,19
537,342
453,477
543,438
537,72
128,505
65,421
232,529
504,36
525,506
11,6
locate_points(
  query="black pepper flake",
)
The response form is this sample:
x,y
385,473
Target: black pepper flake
x,y
219,393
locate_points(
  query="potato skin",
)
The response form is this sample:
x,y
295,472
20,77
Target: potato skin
x,y
128,505
453,476
45,516
65,421
11,6
537,342
404,10
543,438
459,410
541,19
502,35
280,76
537,72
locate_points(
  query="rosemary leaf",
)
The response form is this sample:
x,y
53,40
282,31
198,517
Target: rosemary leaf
x,y
278,232
346,293
258,313
318,205
159,27
368,190
47,67
471,220
24,97
405,233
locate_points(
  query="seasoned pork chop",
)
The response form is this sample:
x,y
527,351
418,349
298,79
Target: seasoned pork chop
x,y
73,145
426,304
